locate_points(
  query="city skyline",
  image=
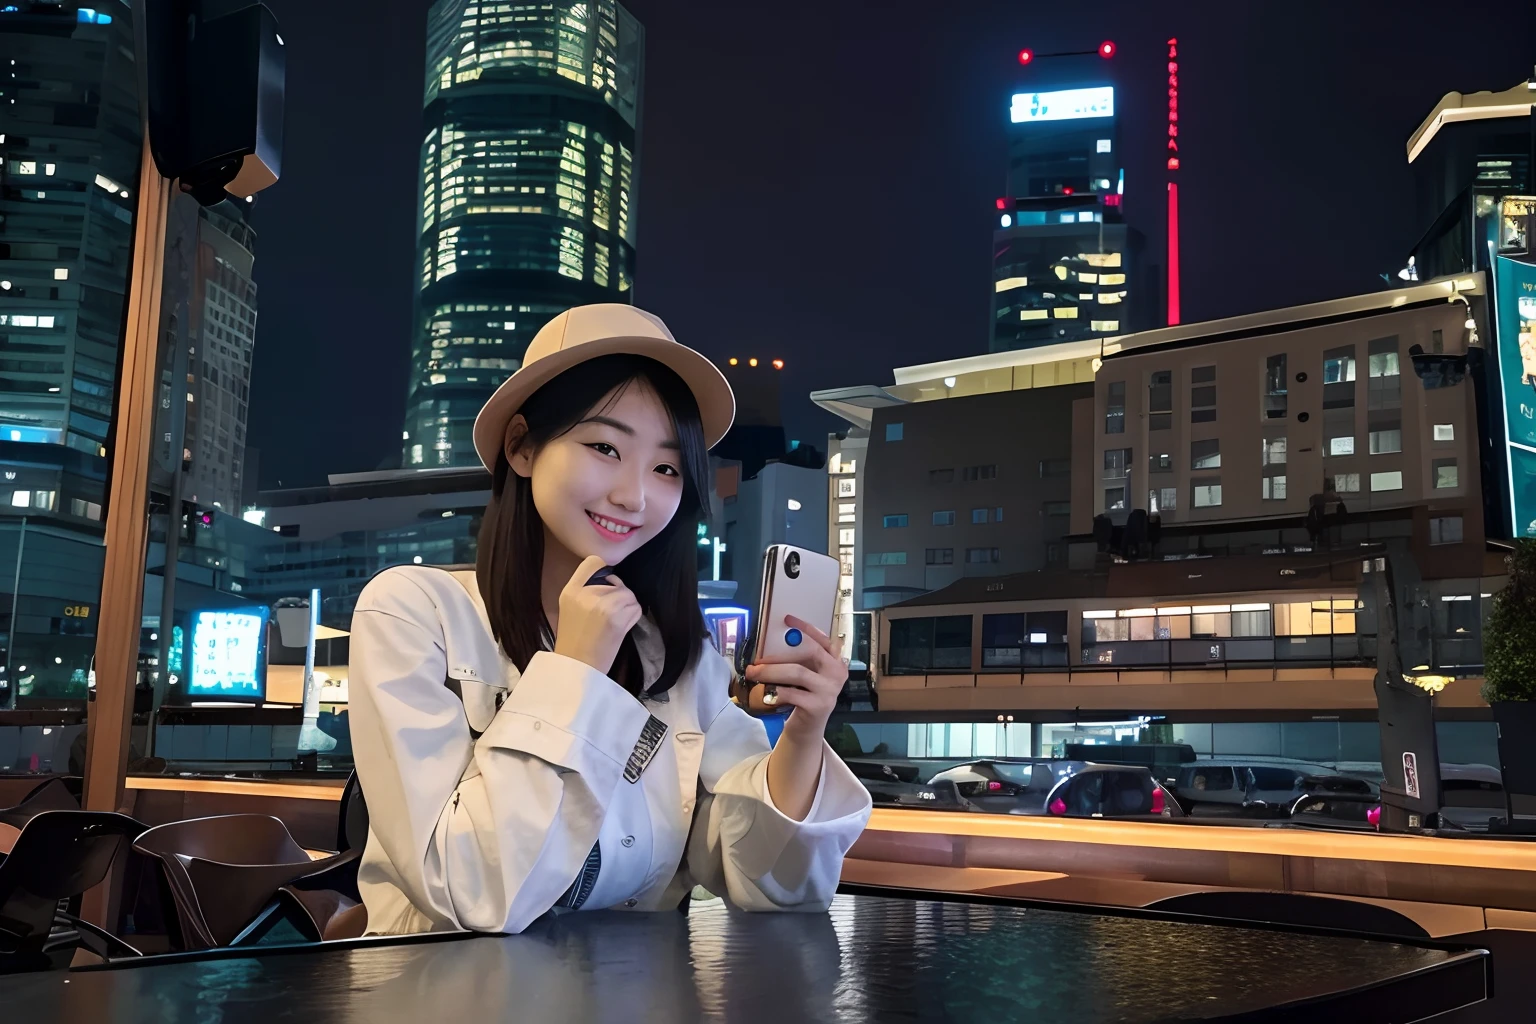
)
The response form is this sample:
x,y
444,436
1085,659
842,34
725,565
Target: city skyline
x,y
905,270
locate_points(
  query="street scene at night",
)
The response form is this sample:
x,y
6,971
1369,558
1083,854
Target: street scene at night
x,y
856,512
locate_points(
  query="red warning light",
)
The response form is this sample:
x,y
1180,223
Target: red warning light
x,y
1002,204
1106,49
1173,163
1066,190
1025,56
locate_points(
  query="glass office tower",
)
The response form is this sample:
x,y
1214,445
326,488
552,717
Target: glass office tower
x,y
527,195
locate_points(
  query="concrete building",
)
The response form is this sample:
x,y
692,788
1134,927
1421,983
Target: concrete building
x,y
527,195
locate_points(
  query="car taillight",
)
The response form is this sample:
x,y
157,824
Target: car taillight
x,y
1058,806
993,787
1159,805
1373,817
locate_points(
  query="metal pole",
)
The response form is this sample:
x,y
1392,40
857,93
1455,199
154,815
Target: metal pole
x,y
310,737
10,636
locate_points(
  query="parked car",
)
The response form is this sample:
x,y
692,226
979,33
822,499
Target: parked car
x,y
896,785
1058,787
1471,795
1248,789
1163,759
1334,809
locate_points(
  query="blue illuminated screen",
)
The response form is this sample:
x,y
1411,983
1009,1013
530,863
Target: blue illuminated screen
x,y
228,654
1063,104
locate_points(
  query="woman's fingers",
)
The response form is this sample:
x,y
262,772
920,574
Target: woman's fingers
x,y
796,675
824,641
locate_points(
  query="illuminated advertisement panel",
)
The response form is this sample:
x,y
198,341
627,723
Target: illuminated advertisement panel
x,y
1062,105
228,654
1517,370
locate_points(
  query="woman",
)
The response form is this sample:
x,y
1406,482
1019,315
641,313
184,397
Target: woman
x,y
528,741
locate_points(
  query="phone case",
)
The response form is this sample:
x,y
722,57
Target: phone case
x,y
810,595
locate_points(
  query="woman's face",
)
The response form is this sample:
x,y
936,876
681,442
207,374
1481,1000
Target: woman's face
x,y
610,483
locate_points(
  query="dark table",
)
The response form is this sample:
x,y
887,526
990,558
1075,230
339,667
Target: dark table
x,y
871,958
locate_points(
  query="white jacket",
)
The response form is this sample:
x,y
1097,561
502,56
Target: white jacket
x,y
487,805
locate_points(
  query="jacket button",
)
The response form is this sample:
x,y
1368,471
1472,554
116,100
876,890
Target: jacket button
x,y
631,903
629,840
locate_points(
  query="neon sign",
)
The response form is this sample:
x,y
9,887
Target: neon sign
x,y
1063,104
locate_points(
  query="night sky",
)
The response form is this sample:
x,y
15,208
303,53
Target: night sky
x,y
817,179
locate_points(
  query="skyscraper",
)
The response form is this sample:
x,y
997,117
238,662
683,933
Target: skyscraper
x,y
1062,254
527,195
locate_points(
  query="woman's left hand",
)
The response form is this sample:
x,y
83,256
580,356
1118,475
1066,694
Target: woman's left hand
x,y
809,679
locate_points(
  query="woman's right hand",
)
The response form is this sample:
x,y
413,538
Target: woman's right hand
x,y
595,620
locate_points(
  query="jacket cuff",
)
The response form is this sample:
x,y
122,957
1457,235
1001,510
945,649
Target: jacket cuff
x,y
840,801
570,715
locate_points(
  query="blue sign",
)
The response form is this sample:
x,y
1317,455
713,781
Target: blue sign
x,y
228,655
1063,104
1517,370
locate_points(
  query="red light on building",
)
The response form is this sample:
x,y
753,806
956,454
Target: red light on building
x,y
1066,190
1025,56
1173,163
1106,49
1112,199
778,364
1002,204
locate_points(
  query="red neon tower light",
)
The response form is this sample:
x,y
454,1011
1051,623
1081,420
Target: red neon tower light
x,y
1173,185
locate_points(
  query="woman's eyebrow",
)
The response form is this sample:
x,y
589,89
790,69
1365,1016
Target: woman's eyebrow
x,y
626,429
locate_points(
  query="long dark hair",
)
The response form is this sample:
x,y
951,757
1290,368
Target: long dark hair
x,y
662,573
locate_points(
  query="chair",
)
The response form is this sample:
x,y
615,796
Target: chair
x,y
352,828
222,871
57,857
61,793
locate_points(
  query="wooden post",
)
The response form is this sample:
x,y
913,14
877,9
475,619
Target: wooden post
x,y
127,536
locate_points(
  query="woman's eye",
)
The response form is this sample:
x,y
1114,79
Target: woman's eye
x,y
666,470
604,448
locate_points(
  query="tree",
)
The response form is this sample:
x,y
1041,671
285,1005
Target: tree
x,y
1509,638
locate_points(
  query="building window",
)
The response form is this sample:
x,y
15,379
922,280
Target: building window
x,y
1114,498
944,518
939,556
1160,463
846,511
1385,442
1207,493
918,645
885,558
1055,468
982,556
1160,401
941,476
845,536
893,431
1346,483
1342,444
1445,432
893,521
1274,451
981,472
1057,508
1276,387
845,487
1202,394
1339,378
997,514
1445,530
1445,474
978,515
1274,488
1114,410
1205,454
1117,463
1315,618
1392,481
1162,499
1052,553
1024,640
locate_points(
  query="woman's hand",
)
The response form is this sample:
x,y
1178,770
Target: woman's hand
x,y
595,620
808,680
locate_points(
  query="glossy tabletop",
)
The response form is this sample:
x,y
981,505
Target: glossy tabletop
x,y
871,958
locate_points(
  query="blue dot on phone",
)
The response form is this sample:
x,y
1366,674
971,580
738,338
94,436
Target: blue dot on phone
x,y
793,638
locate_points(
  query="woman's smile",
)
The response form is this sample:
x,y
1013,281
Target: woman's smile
x,y
610,529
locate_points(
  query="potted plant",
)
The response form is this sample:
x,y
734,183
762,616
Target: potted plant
x,y
1509,680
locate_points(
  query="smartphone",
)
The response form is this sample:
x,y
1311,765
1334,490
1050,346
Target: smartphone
x,y
795,582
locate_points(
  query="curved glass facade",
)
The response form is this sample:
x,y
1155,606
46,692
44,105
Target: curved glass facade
x,y
527,195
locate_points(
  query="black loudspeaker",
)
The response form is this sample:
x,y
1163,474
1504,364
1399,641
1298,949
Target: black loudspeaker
x,y
213,83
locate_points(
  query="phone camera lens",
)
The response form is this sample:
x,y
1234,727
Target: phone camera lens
x,y
792,565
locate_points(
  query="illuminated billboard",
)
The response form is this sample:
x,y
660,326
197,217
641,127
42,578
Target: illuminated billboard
x,y
1517,370
228,655
1063,105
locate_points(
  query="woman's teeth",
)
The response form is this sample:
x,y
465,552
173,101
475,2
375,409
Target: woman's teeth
x,y
610,525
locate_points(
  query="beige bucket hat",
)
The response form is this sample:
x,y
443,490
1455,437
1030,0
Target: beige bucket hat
x,y
586,332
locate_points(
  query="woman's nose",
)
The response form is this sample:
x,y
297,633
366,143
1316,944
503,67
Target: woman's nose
x,y
629,491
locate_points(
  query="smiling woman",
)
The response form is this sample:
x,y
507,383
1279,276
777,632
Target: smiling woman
x,y
584,751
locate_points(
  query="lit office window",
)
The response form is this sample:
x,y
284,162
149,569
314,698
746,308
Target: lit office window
x,y
1445,474
1205,454
1445,432
1392,481
1207,493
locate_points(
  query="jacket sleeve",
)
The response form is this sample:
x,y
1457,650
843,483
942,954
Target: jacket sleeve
x,y
742,847
483,834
